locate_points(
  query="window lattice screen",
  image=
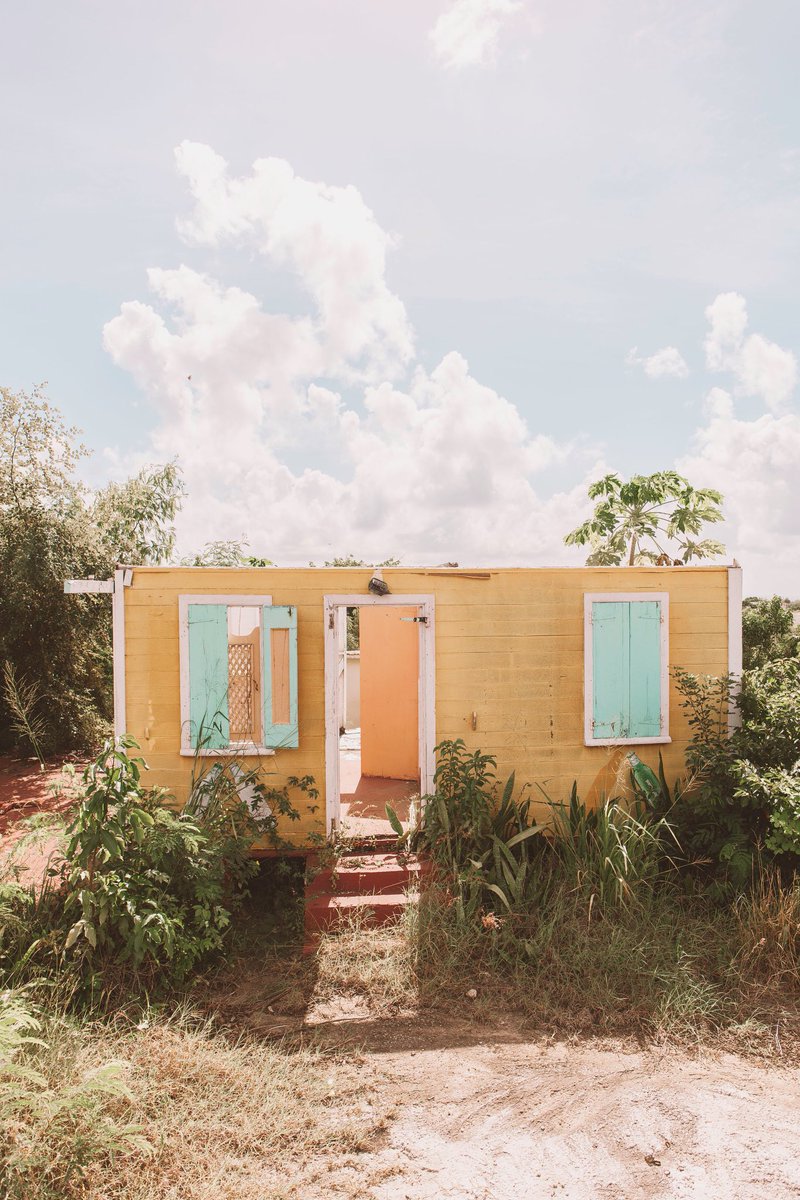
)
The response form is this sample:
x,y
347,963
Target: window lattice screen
x,y
240,690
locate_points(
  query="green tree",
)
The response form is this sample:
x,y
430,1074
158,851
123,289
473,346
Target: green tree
x,y
769,631
227,553
650,519
135,519
52,529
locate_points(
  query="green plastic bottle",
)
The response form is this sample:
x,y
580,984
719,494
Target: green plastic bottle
x,y
646,780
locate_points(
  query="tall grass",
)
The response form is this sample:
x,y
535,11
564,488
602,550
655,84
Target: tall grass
x,y
612,854
603,934
23,697
767,924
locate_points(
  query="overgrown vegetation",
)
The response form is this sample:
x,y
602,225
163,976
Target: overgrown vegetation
x,y
54,1131
143,893
169,1106
769,631
52,529
676,914
741,802
479,842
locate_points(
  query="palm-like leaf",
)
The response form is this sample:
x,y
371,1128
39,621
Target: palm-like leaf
x,y
638,518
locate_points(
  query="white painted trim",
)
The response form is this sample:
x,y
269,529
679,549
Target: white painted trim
x,y
187,750
590,598
118,651
427,690
87,587
240,750
735,651
361,599
252,601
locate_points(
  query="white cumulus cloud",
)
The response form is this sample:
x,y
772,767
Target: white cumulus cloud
x,y
326,236
466,34
319,432
663,364
760,368
432,467
756,465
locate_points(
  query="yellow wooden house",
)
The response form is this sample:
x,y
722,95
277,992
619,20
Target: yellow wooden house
x,y
559,673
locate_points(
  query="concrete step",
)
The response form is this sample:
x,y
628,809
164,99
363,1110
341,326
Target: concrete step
x,y
327,913
380,886
378,875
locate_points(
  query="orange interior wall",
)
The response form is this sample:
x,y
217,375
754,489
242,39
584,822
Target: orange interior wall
x,y
389,692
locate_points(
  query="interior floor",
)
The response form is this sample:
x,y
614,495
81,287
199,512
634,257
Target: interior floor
x,y
364,797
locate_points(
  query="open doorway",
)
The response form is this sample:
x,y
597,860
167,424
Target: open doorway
x,y
379,724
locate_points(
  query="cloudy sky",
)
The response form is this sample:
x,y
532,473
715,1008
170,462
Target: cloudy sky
x,y
399,278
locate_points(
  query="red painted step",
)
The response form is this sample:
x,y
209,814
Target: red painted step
x,y
329,912
359,874
380,886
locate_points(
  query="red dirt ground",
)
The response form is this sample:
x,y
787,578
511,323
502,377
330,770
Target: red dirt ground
x,y
25,791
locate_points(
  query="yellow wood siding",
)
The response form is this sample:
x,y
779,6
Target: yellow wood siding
x,y
509,647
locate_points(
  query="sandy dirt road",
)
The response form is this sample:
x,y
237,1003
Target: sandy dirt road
x,y
512,1119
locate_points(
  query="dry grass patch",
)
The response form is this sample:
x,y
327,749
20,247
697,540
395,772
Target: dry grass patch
x,y
225,1120
375,966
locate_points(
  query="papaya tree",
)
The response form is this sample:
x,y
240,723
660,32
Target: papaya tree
x,y
648,519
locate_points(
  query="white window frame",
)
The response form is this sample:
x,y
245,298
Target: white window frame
x,y
589,599
237,749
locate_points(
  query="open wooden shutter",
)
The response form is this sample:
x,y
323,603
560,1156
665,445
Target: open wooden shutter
x,y
644,710
279,648
610,670
208,676
626,669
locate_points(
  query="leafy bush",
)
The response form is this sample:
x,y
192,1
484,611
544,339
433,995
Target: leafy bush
x,y
768,631
50,1135
155,888
236,808
744,787
52,529
479,840
143,888
144,885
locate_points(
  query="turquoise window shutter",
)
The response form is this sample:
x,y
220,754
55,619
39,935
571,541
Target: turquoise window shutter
x,y
208,676
626,669
279,650
645,669
610,669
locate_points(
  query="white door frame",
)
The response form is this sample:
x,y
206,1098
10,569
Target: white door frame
x,y
426,605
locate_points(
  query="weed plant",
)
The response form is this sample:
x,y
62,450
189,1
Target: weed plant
x,y
614,853
144,894
52,1130
480,838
